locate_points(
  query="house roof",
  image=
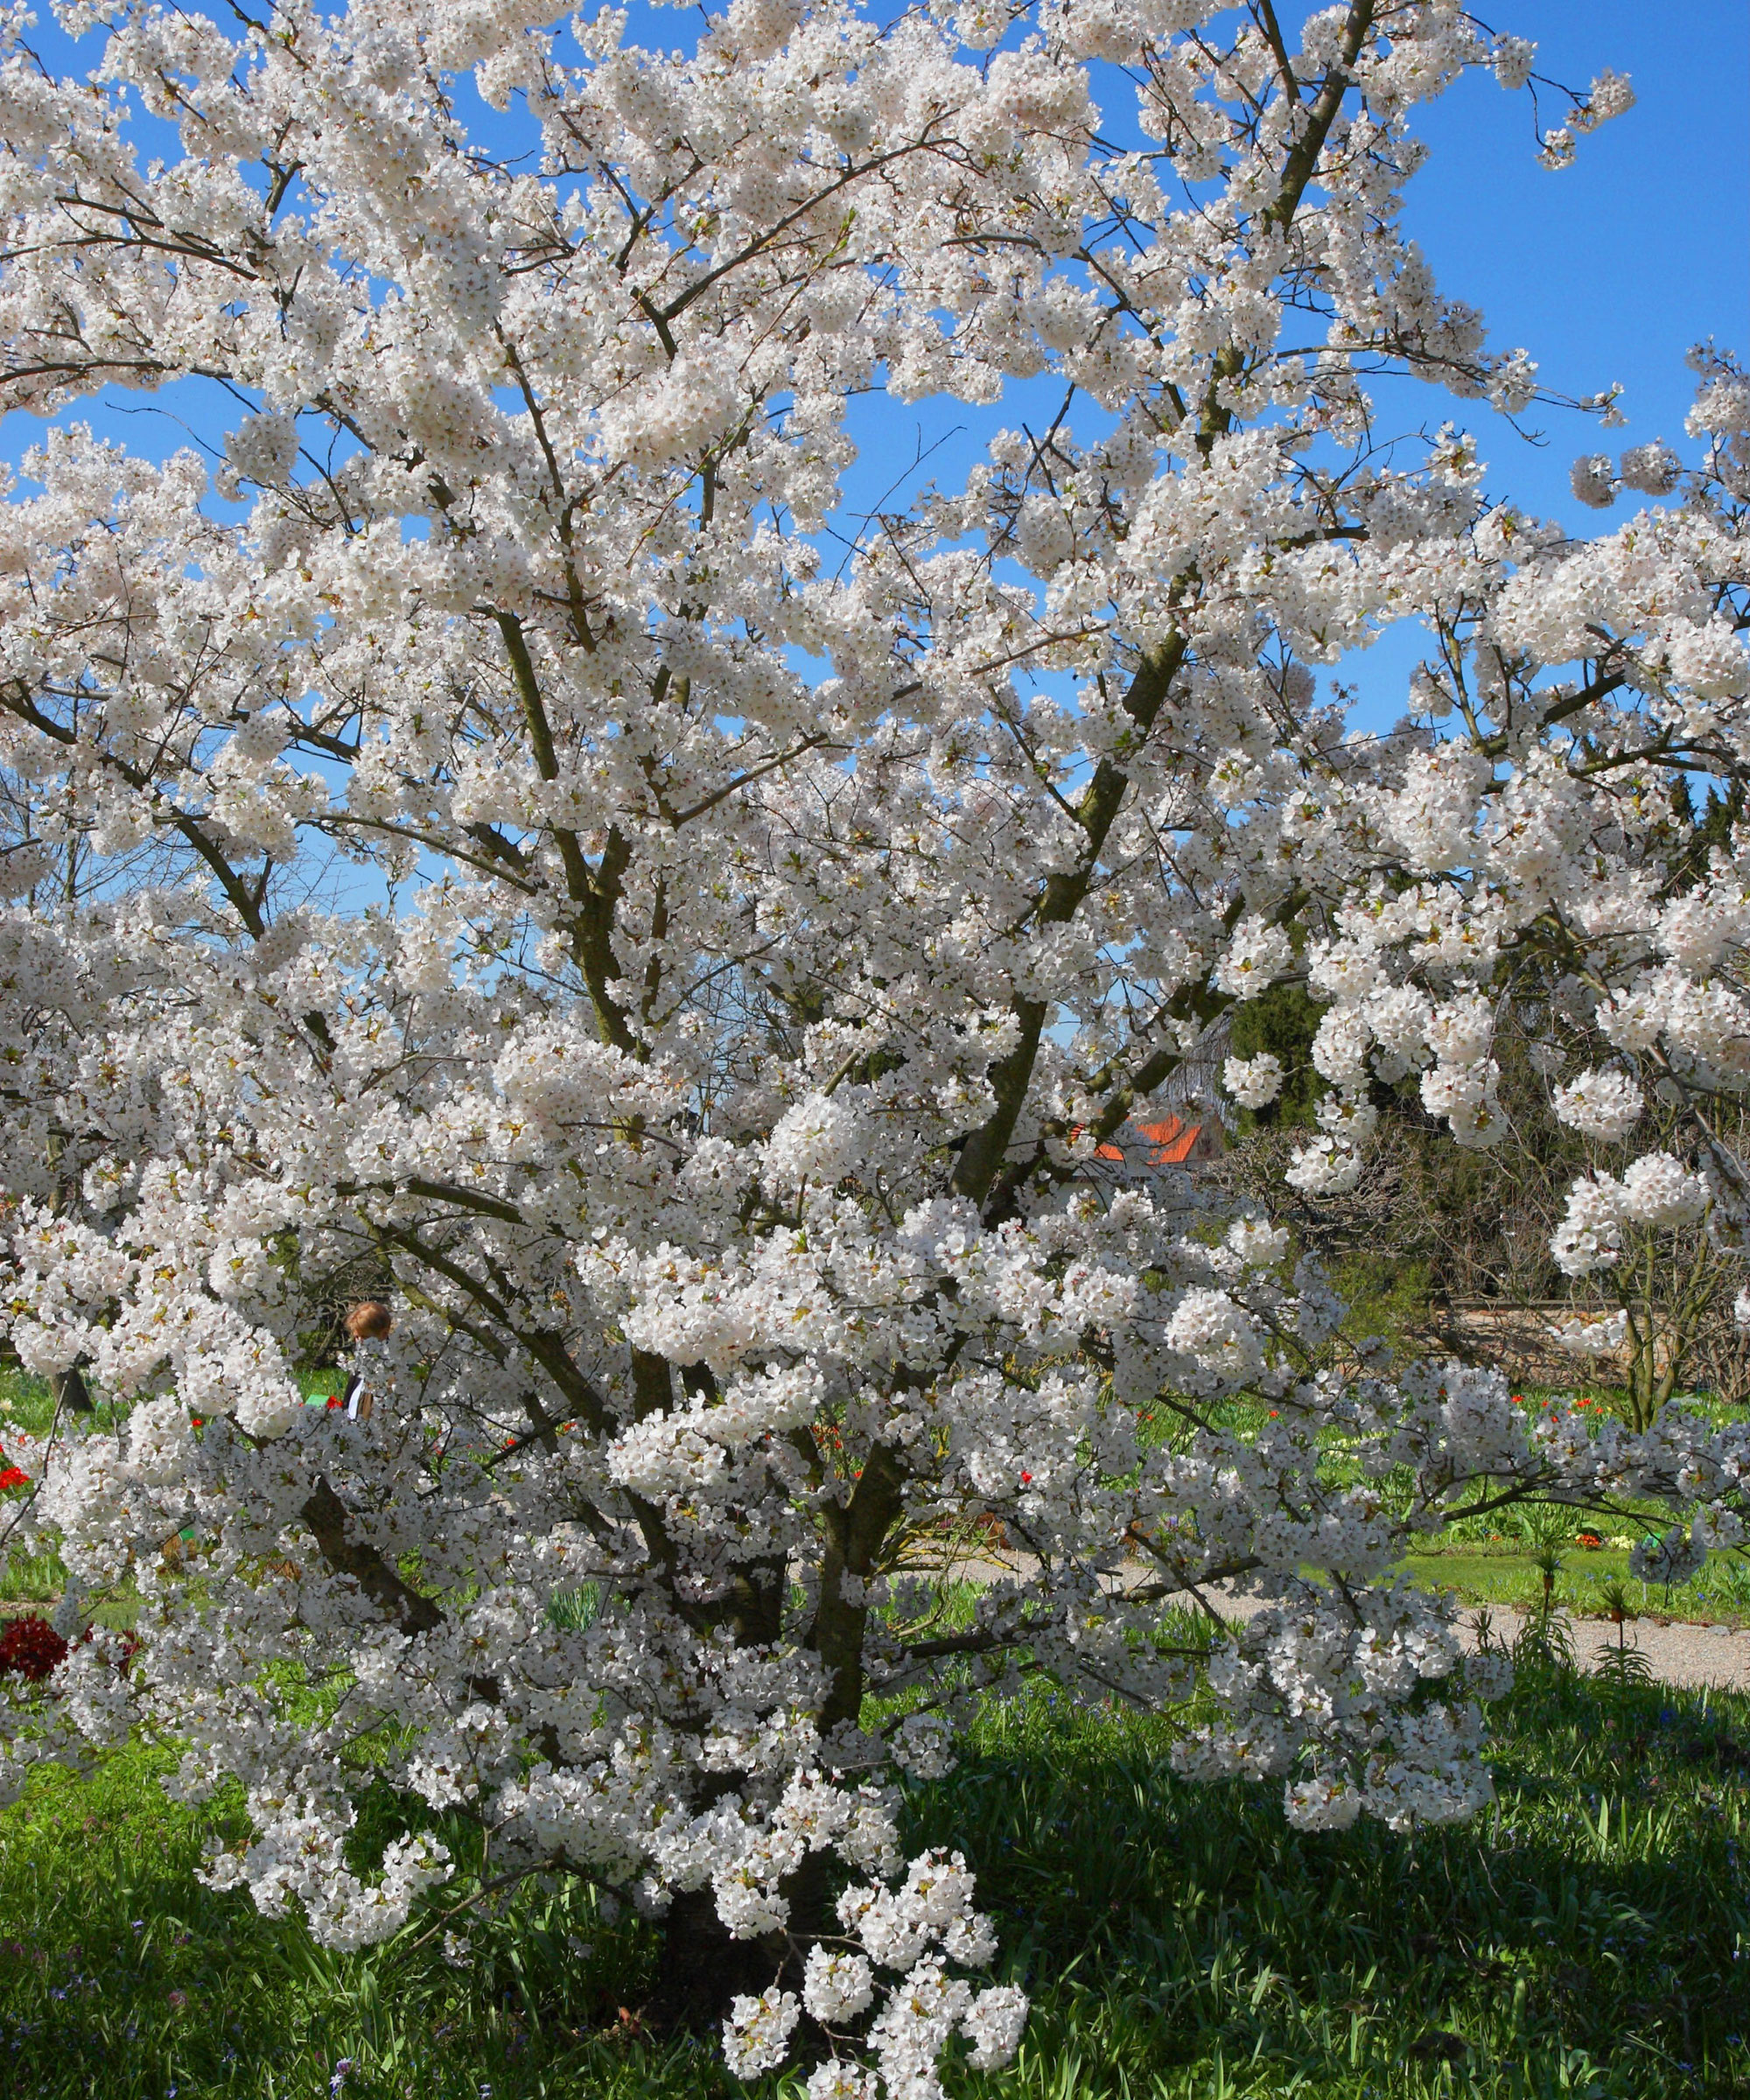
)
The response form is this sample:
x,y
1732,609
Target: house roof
x,y
1170,1143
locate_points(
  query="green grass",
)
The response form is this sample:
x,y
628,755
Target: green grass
x,y
1590,1936
1720,1595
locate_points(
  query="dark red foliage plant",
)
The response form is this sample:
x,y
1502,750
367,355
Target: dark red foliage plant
x,y
31,1646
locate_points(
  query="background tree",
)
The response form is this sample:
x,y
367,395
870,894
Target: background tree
x,y
1433,1226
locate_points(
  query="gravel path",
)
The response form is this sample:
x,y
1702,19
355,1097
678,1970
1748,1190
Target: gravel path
x,y
1676,1653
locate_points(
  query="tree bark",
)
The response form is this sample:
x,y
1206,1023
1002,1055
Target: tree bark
x,y
701,1969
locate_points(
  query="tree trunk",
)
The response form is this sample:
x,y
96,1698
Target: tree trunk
x,y
701,1969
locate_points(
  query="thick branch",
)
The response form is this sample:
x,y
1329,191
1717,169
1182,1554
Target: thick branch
x,y
325,1514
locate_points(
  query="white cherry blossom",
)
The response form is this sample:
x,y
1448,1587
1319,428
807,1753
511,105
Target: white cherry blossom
x,y
487,829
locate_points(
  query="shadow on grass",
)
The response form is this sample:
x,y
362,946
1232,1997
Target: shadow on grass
x,y
1590,1936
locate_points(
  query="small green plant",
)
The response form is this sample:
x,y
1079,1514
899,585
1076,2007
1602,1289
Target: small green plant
x,y
575,1611
1623,1665
1544,1646
1548,1563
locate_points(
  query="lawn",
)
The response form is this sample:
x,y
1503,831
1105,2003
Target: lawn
x,y
1510,1576
1589,1938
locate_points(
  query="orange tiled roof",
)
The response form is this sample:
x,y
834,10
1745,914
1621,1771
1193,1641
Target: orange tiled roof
x,y
1170,1143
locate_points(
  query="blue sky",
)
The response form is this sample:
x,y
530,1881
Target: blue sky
x,y
1607,271
1611,269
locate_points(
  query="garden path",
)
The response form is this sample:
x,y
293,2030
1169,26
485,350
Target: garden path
x,y
1676,1651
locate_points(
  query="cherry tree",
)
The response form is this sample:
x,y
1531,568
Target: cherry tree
x,y
483,832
